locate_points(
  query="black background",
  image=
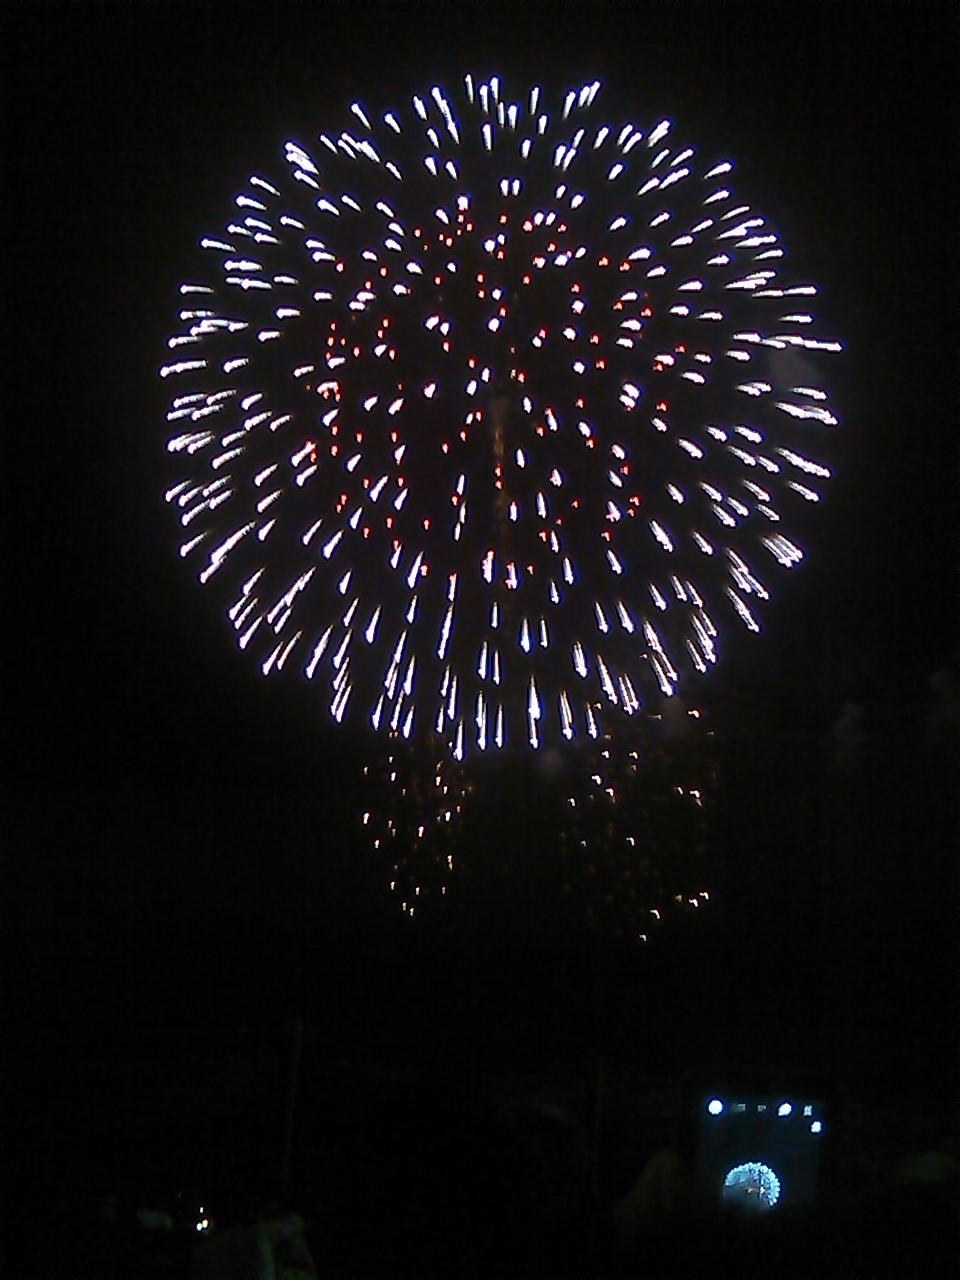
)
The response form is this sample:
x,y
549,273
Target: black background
x,y
182,857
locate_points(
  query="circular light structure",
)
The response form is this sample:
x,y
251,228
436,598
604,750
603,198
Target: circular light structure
x,y
715,1107
486,413
816,1127
785,1109
753,1186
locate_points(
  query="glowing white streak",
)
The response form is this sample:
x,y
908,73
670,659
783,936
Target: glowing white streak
x,y
525,636
657,598
338,706
452,698
689,447
458,743
606,681
566,715
182,366
748,619
580,660
786,552
628,695
661,673
445,633
661,535
408,722
187,547
340,654
568,571
377,712
370,631
330,546
533,713
803,464
414,569
806,412
703,635
288,649
592,727
694,652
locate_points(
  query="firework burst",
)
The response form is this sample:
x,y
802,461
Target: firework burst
x,y
495,415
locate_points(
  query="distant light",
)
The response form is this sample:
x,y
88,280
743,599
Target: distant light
x,y
715,1107
816,1127
752,1186
785,1109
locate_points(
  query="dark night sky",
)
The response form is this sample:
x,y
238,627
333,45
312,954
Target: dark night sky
x,y
180,831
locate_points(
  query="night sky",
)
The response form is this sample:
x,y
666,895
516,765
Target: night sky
x,y
181,838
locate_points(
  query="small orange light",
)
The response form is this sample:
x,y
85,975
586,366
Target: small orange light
x,y
604,261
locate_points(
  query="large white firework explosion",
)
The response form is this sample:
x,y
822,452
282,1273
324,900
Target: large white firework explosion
x,y
497,414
